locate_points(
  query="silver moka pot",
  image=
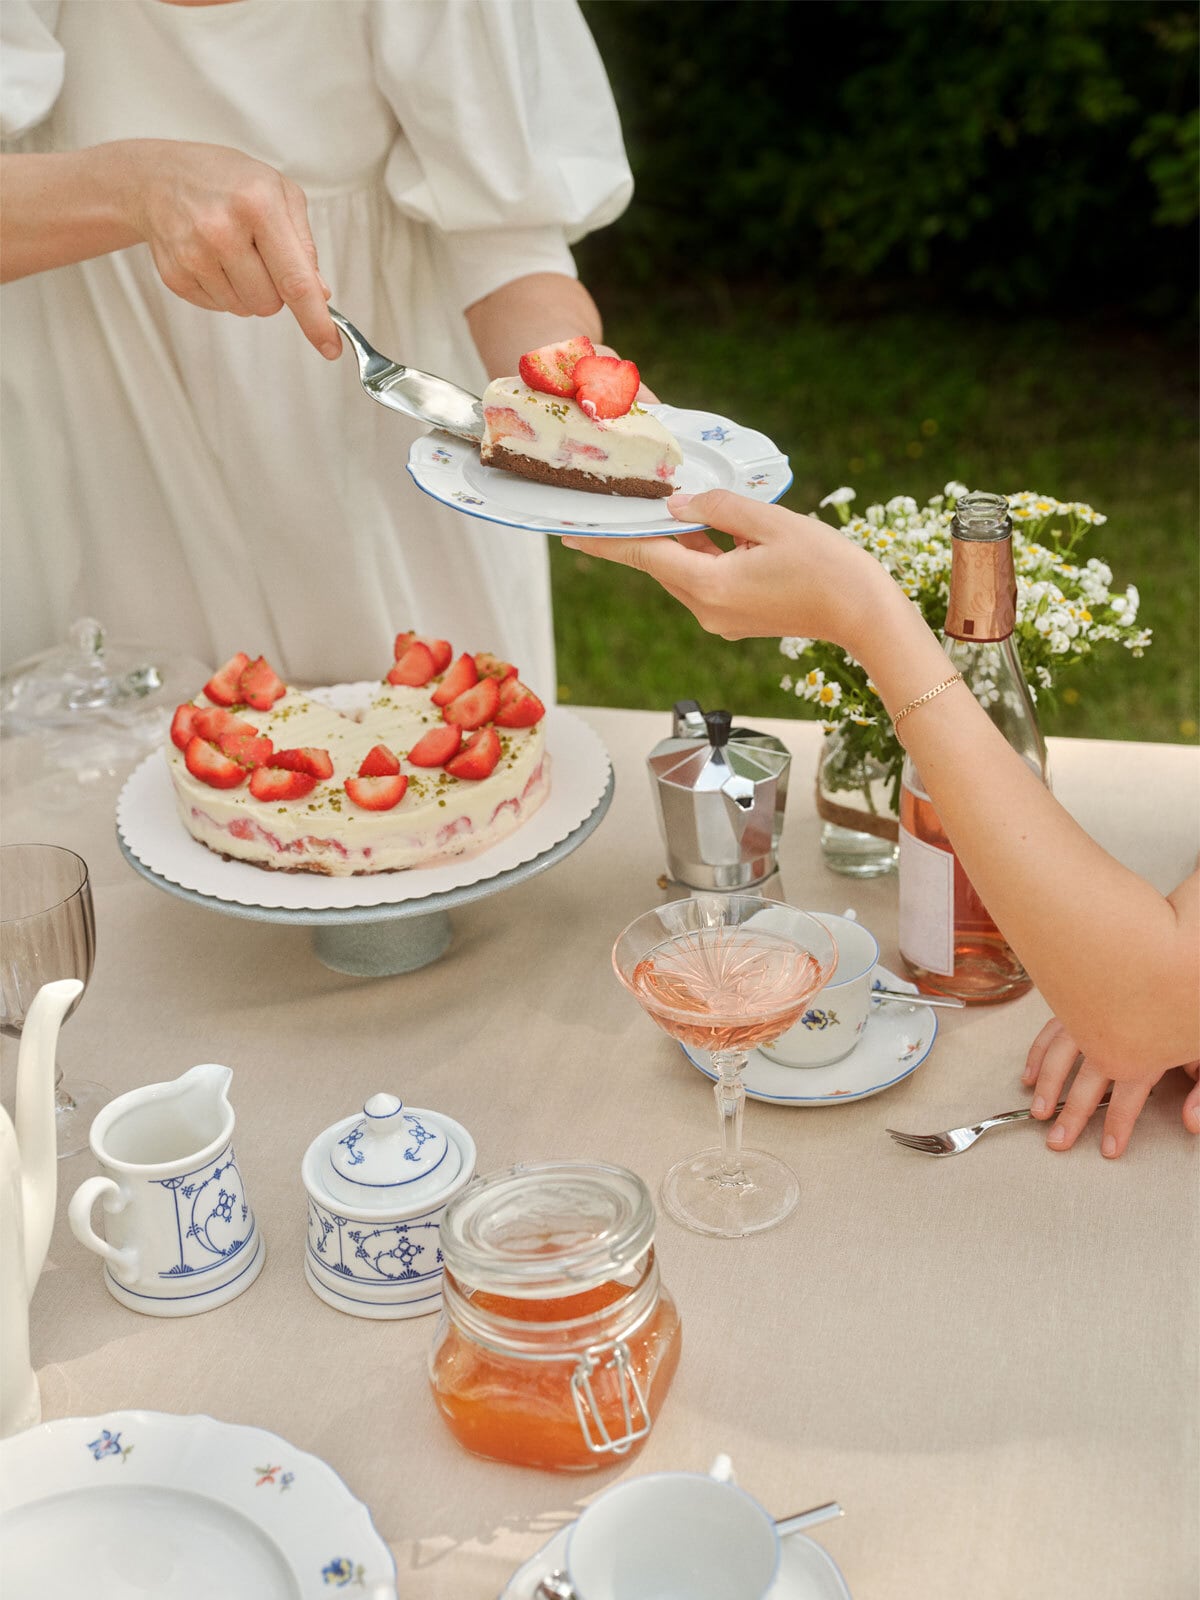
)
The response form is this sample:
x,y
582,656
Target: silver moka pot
x,y
720,792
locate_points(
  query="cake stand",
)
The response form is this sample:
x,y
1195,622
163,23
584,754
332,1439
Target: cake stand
x,y
401,928
380,941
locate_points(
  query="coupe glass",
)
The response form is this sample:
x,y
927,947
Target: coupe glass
x,y
726,973
47,931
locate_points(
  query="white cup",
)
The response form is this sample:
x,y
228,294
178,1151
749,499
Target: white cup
x,y
836,1015
673,1534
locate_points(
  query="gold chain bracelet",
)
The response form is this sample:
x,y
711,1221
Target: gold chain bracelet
x,y
923,698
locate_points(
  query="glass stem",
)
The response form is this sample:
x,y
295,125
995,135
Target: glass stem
x,y
731,1100
62,1100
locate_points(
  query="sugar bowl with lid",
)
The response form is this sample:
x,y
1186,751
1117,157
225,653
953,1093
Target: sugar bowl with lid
x,y
377,1184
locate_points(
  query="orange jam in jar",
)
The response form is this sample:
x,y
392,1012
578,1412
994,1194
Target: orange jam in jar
x,y
557,1341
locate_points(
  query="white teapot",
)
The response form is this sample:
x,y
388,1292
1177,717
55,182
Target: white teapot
x,y
28,1185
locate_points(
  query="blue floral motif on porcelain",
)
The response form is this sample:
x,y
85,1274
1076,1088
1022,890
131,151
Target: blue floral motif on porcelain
x,y
421,1135
341,1572
108,1444
354,1156
390,1253
716,435
819,1020
213,1220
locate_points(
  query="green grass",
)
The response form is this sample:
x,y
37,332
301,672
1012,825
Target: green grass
x,y
900,404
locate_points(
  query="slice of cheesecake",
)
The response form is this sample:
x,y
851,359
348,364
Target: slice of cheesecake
x,y
551,438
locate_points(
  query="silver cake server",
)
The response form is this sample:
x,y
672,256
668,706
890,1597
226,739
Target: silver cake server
x,y
417,394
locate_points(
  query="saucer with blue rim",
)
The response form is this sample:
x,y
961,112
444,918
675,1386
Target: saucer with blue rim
x,y
895,1041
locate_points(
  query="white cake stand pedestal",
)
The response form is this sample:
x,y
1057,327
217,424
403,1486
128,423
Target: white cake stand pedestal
x,y
381,941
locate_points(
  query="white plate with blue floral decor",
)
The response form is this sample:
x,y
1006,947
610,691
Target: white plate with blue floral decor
x,y
148,1503
806,1571
895,1041
717,454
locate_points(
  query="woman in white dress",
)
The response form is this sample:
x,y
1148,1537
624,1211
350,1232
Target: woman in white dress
x,y
206,483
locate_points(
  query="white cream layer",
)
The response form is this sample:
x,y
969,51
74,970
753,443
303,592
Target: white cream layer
x,y
440,816
633,446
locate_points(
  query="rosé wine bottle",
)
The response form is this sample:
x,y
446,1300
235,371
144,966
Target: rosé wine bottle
x,y
948,940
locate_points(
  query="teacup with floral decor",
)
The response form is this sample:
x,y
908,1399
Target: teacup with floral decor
x,y
834,1019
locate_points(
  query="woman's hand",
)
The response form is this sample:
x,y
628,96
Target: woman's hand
x,y
1051,1058
786,574
226,232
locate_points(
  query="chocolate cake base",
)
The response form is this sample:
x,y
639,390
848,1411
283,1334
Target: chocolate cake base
x,y
573,477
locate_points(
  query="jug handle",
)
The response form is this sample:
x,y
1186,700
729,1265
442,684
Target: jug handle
x,y
79,1212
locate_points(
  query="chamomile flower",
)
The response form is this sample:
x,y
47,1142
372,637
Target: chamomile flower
x,y
794,648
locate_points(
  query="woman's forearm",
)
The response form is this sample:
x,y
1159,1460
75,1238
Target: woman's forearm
x,y
538,309
1114,958
56,209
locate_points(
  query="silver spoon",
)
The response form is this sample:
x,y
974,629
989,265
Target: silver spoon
x,y
557,1586
417,394
918,999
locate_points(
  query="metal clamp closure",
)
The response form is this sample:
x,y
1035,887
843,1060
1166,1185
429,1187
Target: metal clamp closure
x,y
635,1413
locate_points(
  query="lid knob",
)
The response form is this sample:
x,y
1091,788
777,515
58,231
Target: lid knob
x,y
379,1108
718,724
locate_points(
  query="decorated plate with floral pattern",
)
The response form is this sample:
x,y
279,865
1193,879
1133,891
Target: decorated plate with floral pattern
x,y
717,454
142,1503
895,1041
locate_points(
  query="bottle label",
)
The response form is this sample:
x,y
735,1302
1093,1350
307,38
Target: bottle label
x,y
926,904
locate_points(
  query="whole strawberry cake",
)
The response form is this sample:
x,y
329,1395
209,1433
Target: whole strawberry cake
x,y
571,418
447,758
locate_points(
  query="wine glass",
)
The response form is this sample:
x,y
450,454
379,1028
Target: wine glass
x,y
48,931
726,973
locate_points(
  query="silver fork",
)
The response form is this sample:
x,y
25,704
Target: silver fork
x,y
416,394
955,1140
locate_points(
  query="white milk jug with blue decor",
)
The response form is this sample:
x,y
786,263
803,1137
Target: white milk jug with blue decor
x,y
179,1234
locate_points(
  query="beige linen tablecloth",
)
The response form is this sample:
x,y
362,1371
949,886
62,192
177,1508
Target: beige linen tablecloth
x,y
990,1361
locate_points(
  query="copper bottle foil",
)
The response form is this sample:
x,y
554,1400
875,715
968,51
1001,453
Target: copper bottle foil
x,y
983,590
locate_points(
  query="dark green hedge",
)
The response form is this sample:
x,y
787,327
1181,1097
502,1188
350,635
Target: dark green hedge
x,y
1026,152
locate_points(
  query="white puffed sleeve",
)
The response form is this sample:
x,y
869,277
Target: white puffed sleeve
x,y
31,64
510,143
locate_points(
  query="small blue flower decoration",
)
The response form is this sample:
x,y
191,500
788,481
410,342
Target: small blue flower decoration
x,y
716,435
341,1572
108,1444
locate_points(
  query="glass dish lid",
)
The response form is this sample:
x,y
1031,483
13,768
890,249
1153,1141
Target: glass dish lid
x,y
545,1228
